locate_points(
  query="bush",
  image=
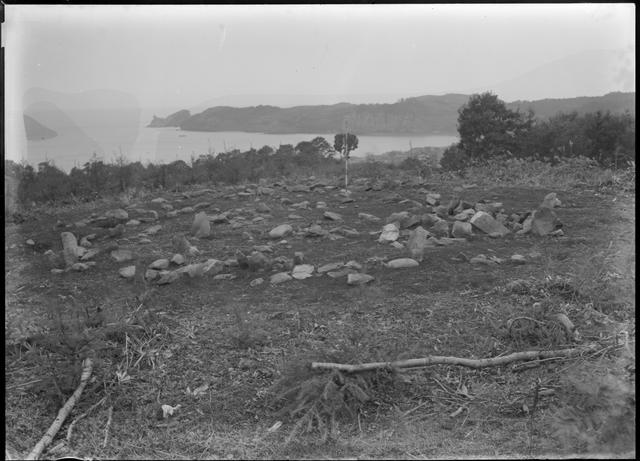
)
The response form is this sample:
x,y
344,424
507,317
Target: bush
x,y
454,159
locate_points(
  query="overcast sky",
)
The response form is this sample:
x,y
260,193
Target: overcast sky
x,y
182,56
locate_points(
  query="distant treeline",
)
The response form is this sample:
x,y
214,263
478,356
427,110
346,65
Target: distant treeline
x,y
488,130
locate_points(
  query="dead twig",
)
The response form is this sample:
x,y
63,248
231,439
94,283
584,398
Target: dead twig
x,y
83,415
465,362
106,429
87,368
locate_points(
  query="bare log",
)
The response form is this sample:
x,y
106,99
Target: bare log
x,y
87,368
465,362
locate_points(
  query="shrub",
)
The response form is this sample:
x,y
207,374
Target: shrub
x,y
454,159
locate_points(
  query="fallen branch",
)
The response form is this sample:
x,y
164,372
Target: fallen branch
x,y
106,429
87,368
443,360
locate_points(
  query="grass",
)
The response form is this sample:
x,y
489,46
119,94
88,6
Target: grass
x,y
247,348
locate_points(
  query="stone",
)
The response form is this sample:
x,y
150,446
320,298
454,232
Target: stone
x,y
433,199
402,263
201,206
544,221
153,230
57,271
262,207
224,277
70,249
353,265
487,224
397,245
321,205
464,215
118,214
417,243
302,271
428,220
346,231
359,279
219,218
117,231
332,216
280,277
282,263
257,219
482,259
440,228
280,231
461,229
347,200
329,267
390,233
294,216
315,230
201,227
551,201
265,191
85,242
172,213
159,200
122,255
30,242
132,223
517,259
368,217
128,272
151,274
192,270
159,264
399,218
341,272
298,257
178,259
78,267
185,210
89,254
167,277
556,233
257,261
298,188
256,282
214,266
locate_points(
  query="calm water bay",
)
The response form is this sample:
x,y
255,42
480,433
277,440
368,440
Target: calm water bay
x,y
163,145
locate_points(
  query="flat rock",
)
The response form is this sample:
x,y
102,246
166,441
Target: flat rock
x,y
359,279
368,217
329,267
151,274
153,230
482,259
321,205
280,231
402,263
224,277
464,215
256,282
167,277
341,272
487,224
262,207
89,254
433,199
159,264
302,271
219,218
122,255
280,277
332,216
517,259
128,272
315,230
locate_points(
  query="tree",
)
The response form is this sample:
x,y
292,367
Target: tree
x,y
487,128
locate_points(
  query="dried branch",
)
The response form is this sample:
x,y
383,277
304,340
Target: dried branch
x,y
87,368
444,360
83,415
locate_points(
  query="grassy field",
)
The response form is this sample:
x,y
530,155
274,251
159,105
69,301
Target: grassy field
x,y
235,356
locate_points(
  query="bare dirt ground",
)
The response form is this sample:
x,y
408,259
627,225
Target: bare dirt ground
x,y
238,342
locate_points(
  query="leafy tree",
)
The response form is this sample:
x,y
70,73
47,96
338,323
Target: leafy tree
x,y
487,128
339,143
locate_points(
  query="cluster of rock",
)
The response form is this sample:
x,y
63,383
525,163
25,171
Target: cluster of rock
x,y
442,224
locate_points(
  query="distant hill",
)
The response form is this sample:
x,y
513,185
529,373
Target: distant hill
x,y
424,115
174,119
36,131
615,102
